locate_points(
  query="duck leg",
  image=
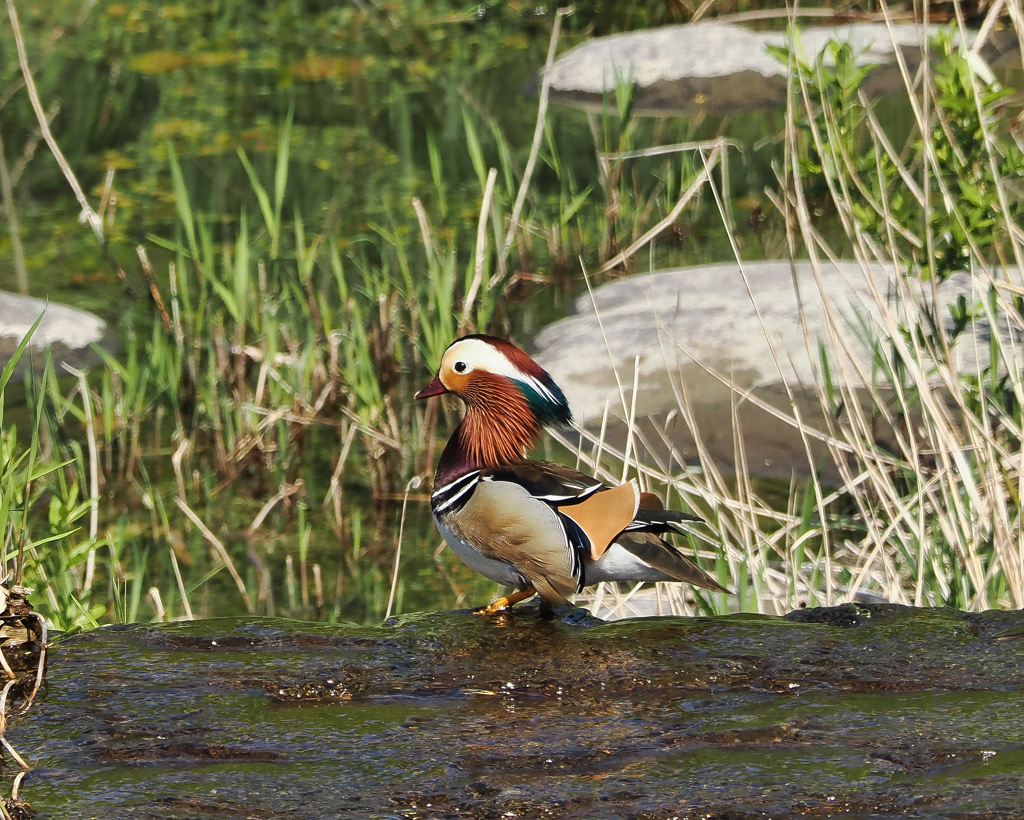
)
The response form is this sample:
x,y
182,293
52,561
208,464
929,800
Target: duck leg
x,y
506,602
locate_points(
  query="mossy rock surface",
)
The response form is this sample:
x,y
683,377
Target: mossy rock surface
x,y
864,710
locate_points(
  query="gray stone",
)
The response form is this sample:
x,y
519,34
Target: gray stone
x,y
681,323
68,332
720,67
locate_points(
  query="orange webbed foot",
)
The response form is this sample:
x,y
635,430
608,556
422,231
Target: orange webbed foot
x,y
506,602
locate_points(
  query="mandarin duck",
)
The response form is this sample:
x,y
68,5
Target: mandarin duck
x,y
537,527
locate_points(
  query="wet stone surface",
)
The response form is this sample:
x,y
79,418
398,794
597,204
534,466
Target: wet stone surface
x,y
858,711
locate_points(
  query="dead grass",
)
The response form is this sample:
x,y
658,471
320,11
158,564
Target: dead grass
x,y
933,519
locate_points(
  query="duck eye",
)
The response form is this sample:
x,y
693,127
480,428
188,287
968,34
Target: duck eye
x,y
460,367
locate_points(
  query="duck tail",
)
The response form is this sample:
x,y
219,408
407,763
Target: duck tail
x,y
662,521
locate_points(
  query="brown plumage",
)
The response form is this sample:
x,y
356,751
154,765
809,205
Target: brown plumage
x,y
498,427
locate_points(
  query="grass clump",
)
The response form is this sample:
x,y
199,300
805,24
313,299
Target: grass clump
x,y
221,445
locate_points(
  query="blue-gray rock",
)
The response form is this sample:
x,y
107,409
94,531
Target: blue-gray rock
x,y
68,332
721,67
681,323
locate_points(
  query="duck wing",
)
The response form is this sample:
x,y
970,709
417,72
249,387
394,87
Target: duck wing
x,y
592,513
595,516
661,521
642,539
504,522
545,481
662,556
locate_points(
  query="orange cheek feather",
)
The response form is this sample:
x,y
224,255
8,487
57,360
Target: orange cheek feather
x,y
457,383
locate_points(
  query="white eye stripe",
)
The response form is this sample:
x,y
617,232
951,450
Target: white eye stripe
x,y
476,353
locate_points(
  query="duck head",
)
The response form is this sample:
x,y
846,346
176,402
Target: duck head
x,y
508,397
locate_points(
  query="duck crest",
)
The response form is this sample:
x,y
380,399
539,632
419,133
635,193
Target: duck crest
x,y
508,399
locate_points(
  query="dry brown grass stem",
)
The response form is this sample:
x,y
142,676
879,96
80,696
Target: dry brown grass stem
x,y
94,479
219,549
13,753
289,582
177,576
631,419
334,494
369,432
413,484
158,604
425,233
673,215
660,150
481,250
3,722
3,704
88,214
41,664
147,270
607,347
178,457
538,136
94,459
318,588
287,491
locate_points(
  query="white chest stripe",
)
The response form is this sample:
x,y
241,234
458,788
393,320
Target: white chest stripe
x,y
446,497
554,498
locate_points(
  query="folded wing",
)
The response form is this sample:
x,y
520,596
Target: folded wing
x,y
596,516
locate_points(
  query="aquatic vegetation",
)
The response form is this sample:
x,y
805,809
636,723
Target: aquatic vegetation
x,y
304,266
307,255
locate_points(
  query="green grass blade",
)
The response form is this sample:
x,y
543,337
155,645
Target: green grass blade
x,y
281,176
181,200
5,375
476,153
242,271
273,222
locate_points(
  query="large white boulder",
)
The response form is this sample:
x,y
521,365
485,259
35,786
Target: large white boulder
x,y
679,324
68,332
721,67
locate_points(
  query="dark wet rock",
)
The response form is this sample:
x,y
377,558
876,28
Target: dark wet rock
x,y
334,687
683,322
19,809
849,615
721,67
159,750
860,710
66,331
